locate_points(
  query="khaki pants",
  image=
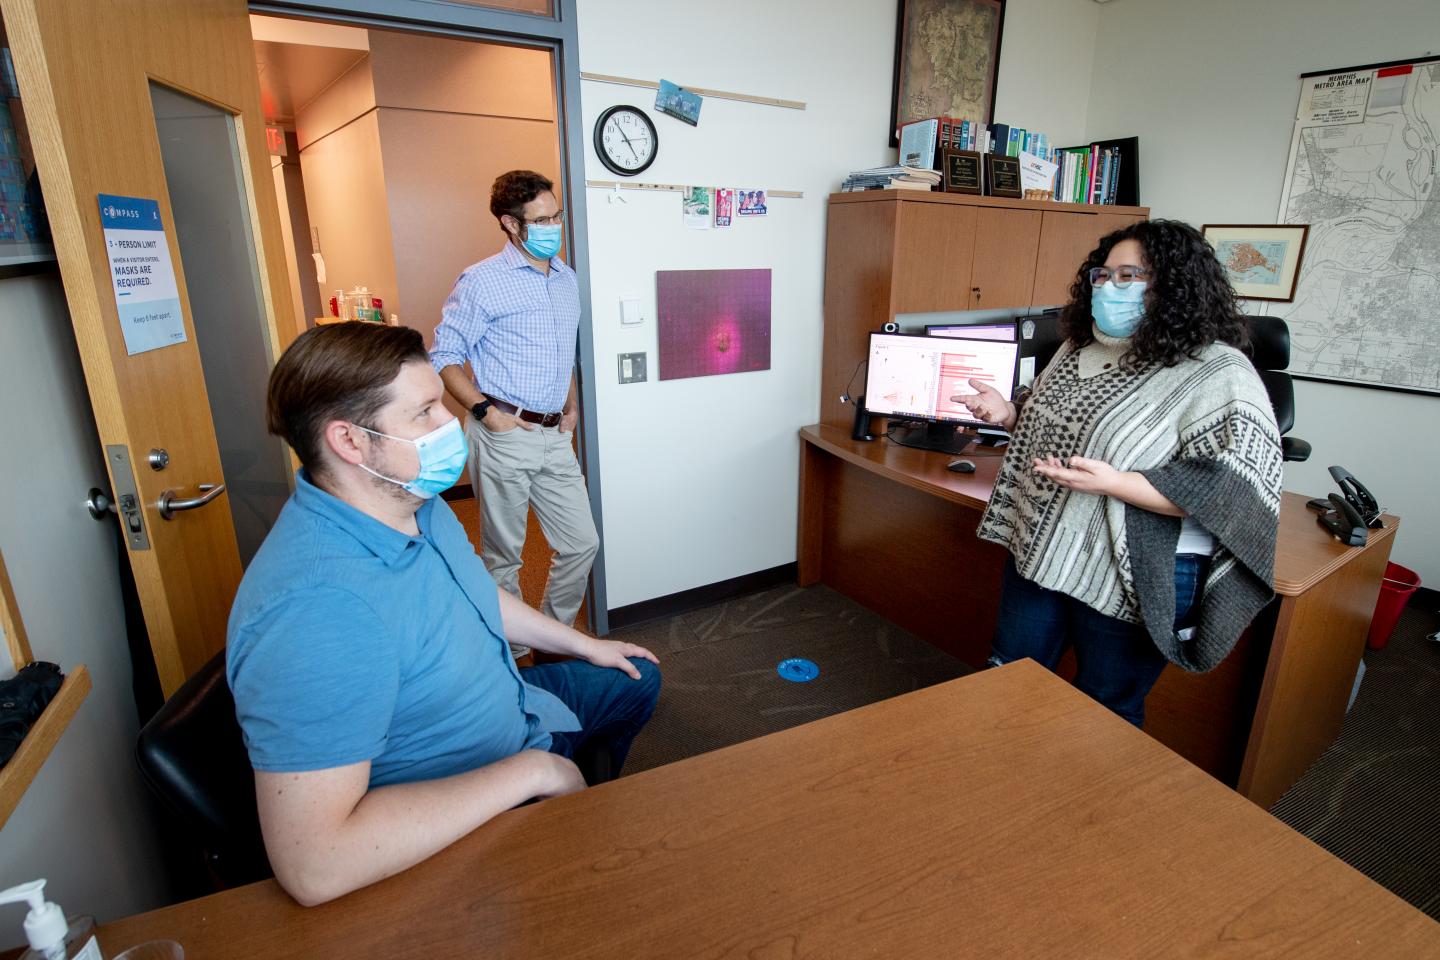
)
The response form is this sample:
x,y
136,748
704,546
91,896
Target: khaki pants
x,y
513,471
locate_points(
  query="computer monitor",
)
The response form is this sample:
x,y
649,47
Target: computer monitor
x,y
977,331
913,378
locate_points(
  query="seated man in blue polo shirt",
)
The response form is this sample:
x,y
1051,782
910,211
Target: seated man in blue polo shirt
x,y
367,648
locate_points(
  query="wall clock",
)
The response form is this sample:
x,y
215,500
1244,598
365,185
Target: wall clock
x,y
625,139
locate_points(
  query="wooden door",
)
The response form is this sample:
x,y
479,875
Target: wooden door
x,y
934,247
88,71
1003,271
1065,240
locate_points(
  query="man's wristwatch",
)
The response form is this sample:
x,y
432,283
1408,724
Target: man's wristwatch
x,y
478,411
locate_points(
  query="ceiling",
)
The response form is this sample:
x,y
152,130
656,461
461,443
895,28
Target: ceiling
x,y
298,59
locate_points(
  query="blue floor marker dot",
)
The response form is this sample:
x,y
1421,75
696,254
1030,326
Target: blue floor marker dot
x,y
798,670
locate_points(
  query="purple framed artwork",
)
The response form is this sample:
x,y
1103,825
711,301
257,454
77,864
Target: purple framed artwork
x,y
712,322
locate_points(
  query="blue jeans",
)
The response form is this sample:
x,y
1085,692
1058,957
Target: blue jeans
x,y
612,709
1116,662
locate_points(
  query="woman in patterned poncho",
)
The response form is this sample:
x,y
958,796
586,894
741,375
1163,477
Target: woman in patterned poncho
x,y
1140,495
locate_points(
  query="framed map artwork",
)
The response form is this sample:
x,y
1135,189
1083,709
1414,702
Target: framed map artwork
x,y
947,55
1362,174
1261,260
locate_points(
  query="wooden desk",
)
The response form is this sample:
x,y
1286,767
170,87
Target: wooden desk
x,y
891,528
999,815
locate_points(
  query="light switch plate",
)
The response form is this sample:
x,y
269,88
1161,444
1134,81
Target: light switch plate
x,y
632,367
630,313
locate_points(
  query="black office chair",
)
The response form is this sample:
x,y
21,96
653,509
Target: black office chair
x,y
192,755
1270,352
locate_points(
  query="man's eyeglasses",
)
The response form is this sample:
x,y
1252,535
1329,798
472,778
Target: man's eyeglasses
x,y
1122,276
551,221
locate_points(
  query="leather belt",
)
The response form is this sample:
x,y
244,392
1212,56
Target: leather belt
x,y
529,416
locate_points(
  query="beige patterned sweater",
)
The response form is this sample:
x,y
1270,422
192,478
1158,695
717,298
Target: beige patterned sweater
x,y
1203,433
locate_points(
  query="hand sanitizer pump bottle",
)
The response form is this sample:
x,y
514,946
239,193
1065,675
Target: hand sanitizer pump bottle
x,y
51,935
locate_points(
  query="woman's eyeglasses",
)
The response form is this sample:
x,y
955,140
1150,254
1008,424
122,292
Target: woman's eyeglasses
x,y
1121,276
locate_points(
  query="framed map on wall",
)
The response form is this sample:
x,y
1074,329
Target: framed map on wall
x,y
1262,261
947,55
1362,173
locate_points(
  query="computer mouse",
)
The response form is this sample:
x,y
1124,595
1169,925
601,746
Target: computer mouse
x,y
960,466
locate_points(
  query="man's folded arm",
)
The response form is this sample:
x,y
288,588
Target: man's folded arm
x,y
327,834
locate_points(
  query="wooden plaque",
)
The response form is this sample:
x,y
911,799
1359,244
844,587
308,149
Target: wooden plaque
x,y
1002,176
961,171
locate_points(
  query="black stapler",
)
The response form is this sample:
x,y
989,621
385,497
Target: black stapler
x,y
1357,496
1343,521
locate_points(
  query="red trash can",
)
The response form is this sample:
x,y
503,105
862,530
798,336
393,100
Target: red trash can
x,y
1395,590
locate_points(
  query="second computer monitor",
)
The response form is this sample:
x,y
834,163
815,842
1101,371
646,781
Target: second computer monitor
x,y
977,331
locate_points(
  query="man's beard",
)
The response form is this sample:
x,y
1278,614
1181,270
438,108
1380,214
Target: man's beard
x,y
392,491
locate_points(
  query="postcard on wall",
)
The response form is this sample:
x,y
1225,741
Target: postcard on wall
x,y
697,204
752,203
724,206
678,102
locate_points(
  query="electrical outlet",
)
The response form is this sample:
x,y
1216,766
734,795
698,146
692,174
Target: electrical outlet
x,y
632,367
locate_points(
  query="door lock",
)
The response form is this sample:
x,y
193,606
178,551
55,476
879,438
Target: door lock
x,y
126,501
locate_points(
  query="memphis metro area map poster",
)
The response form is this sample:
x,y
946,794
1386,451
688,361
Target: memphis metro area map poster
x,y
1364,173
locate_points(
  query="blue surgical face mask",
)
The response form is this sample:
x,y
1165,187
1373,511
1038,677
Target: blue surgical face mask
x,y
443,453
1118,310
542,241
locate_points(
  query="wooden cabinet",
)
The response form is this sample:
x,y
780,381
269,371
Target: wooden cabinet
x,y
1065,239
889,252
1003,271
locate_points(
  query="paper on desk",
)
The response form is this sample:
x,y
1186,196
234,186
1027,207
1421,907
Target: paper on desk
x,y
1035,173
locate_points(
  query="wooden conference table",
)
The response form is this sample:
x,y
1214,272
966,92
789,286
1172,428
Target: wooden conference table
x,y
999,815
892,528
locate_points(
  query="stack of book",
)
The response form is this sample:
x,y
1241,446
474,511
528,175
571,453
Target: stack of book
x,y
889,178
922,141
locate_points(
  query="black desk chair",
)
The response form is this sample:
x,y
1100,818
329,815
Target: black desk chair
x,y
1270,352
192,755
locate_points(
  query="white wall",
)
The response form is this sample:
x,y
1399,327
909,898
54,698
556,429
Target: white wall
x,y
86,823
700,477
1047,53
1210,89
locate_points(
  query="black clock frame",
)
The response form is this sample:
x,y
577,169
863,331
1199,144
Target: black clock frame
x,y
600,142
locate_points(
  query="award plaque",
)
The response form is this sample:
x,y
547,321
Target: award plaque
x,y
1002,176
961,170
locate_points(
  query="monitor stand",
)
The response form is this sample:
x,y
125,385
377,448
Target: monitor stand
x,y
940,437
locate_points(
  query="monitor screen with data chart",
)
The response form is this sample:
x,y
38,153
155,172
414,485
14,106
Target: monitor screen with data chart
x,y
914,377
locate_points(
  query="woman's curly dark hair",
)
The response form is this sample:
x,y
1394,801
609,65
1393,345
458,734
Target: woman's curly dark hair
x,y
1189,303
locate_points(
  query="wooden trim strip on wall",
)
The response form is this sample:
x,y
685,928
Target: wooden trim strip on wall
x,y
719,94
677,188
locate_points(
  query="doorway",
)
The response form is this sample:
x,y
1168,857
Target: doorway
x,y
384,143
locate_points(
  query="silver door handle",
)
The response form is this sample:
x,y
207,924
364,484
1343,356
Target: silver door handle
x,y
169,503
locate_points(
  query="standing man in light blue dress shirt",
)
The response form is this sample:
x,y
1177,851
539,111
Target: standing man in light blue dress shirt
x,y
381,708
514,318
